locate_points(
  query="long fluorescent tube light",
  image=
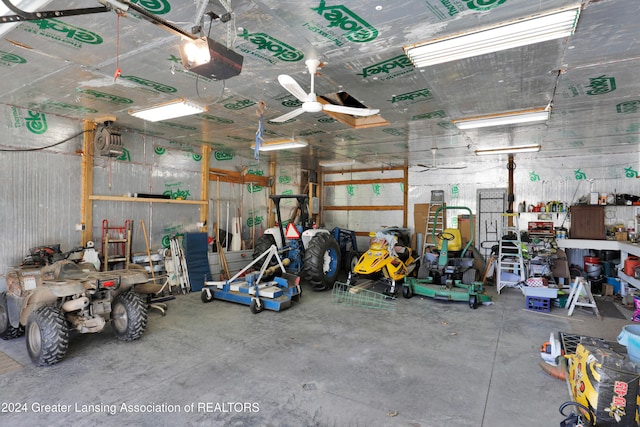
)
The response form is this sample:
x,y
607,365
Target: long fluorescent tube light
x,y
281,144
520,32
512,118
509,150
169,110
337,163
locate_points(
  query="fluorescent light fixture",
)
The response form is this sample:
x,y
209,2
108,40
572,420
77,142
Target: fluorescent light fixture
x,y
210,59
281,144
512,118
337,163
509,150
520,32
168,110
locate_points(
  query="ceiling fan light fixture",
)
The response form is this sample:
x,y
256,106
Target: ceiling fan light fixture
x,y
533,148
516,33
337,163
281,144
168,110
512,118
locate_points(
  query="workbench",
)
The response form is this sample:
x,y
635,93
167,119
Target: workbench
x,y
626,248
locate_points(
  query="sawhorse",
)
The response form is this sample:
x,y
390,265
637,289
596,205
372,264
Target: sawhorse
x,y
581,288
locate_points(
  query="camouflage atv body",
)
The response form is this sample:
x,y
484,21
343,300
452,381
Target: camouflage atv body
x,y
49,302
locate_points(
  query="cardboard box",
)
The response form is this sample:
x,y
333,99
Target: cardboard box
x,y
465,222
605,382
622,235
607,289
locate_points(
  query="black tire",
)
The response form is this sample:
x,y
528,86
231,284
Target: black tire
x,y
473,301
253,306
128,316
205,297
350,261
322,261
47,336
6,330
263,243
407,292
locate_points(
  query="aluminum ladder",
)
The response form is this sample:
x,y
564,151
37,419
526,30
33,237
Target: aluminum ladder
x,y
511,271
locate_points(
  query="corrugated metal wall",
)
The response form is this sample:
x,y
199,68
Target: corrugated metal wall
x,y
40,198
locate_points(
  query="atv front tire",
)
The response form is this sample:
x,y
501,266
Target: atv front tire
x,y
128,316
6,330
322,261
47,336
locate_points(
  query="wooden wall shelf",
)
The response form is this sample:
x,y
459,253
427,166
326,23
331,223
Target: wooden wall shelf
x,y
146,200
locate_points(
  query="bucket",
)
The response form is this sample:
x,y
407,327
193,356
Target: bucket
x,y
630,338
592,266
629,265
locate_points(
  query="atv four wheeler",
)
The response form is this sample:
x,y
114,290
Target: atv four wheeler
x,y
389,258
47,302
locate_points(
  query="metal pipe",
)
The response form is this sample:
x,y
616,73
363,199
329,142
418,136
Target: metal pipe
x,y
76,304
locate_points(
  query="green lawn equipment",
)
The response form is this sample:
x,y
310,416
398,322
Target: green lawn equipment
x,y
447,276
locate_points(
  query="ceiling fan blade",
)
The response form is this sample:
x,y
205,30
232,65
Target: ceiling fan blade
x,y
350,110
292,87
288,116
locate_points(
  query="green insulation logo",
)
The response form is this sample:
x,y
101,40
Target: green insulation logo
x,y
389,68
64,108
107,97
126,155
628,107
239,104
160,87
394,131
351,189
255,220
36,122
216,119
354,28
175,192
8,59
533,176
483,4
223,155
267,45
159,150
62,32
158,7
416,95
630,172
601,85
579,175
431,115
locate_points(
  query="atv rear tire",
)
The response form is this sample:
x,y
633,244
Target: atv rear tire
x,y
322,261
351,260
128,316
6,330
47,336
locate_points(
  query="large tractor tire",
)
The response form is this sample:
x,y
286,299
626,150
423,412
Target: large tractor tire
x,y
47,336
128,316
6,330
322,262
263,243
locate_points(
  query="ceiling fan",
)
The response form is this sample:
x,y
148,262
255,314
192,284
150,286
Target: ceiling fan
x,y
434,166
309,100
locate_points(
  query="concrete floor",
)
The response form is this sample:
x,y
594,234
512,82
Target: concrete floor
x,y
424,364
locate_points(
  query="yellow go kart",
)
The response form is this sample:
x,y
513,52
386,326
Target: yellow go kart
x,y
389,259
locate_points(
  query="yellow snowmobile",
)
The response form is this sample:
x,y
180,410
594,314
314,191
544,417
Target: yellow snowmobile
x,y
389,259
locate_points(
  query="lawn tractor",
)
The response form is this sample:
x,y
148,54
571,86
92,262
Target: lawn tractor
x,y
389,259
451,279
313,253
